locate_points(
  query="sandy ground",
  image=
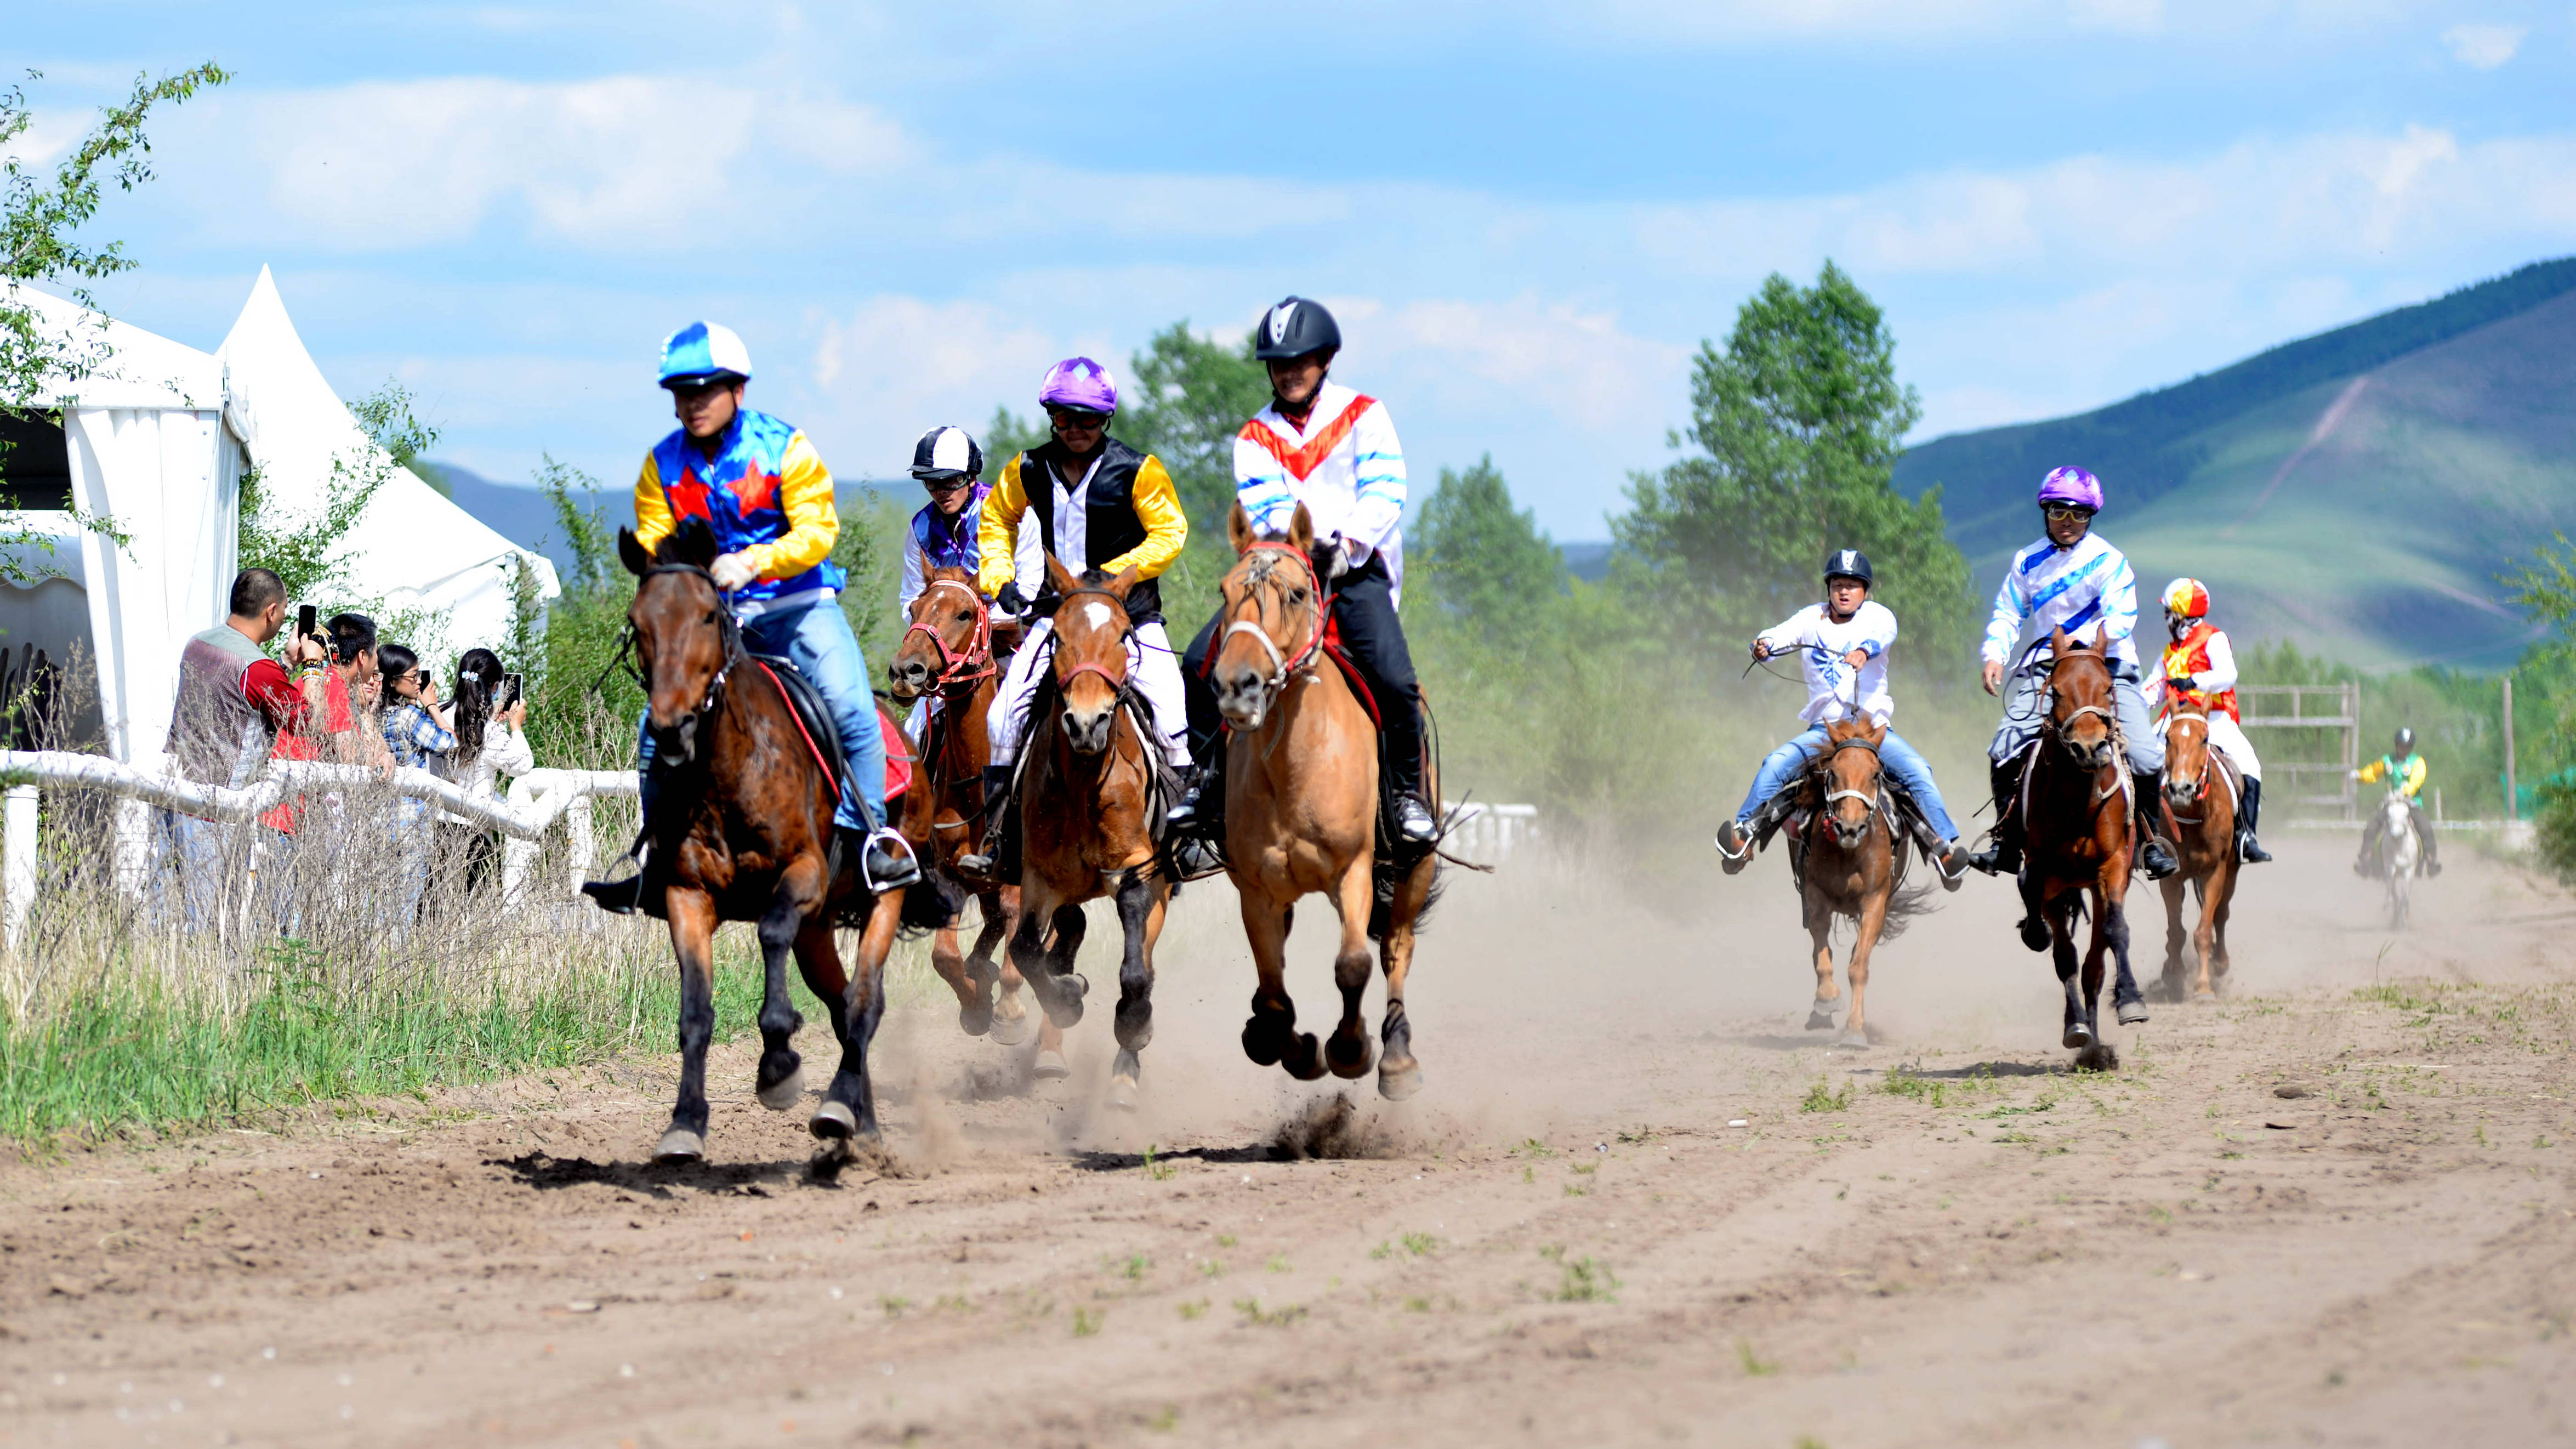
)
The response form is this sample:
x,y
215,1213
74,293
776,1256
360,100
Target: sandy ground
x,y
2336,1208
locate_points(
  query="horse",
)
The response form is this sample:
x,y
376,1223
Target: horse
x,y
2399,857
1850,862
2205,844
1092,790
948,653
1302,811
743,832
2076,825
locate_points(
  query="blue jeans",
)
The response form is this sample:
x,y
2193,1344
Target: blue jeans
x,y
817,639
1900,759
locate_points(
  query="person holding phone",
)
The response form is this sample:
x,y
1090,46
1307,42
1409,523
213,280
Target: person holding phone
x,y
417,735
491,722
234,703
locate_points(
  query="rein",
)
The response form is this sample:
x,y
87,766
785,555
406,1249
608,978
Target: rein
x,y
1067,676
728,631
975,662
1282,665
1870,798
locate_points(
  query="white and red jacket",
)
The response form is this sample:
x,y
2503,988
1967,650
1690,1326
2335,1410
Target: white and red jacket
x,y
2199,663
1345,465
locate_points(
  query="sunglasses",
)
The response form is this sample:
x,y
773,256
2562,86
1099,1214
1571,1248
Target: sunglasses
x,y
1067,418
2061,512
946,485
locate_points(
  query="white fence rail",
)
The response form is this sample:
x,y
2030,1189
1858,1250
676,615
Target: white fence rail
x,y
1489,833
538,802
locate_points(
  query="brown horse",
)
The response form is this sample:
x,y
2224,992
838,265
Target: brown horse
x,y
2076,813
948,652
1850,860
2198,778
743,832
1301,811
1092,788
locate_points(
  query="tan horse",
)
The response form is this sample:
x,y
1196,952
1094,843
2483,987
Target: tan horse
x,y
949,651
2201,786
1850,861
1090,791
1301,811
2077,820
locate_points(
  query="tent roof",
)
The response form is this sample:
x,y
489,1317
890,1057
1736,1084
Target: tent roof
x,y
137,369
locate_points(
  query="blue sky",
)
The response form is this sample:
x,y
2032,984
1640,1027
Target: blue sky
x,y
1526,215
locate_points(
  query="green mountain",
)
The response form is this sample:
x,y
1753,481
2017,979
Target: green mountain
x,y
2357,491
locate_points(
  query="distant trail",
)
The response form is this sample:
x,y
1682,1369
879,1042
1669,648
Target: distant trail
x,y
2327,422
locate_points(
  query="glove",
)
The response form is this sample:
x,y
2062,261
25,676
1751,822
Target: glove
x,y
1009,600
1337,558
733,571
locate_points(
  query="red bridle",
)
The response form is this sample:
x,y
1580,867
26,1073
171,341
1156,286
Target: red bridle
x,y
1065,677
976,663
1283,665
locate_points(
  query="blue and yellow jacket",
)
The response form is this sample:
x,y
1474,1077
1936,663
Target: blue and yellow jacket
x,y
766,492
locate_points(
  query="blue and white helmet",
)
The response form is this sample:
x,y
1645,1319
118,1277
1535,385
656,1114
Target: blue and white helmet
x,y
946,452
1849,563
702,353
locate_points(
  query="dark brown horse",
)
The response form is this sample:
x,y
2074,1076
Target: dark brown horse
x,y
1091,789
743,832
2201,786
948,653
2077,822
1851,860
1301,812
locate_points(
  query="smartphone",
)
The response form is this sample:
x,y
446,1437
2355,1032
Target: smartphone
x,y
306,621
513,688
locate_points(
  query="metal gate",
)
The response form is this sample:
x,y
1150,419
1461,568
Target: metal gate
x,y
2310,783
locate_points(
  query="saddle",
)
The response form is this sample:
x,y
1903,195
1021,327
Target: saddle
x,y
824,738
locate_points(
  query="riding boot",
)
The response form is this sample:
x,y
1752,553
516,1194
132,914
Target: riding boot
x,y
1734,847
2003,855
2153,857
2249,815
625,896
885,862
997,818
1201,808
1414,820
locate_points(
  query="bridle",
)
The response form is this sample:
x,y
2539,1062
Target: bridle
x,y
1065,677
975,662
1282,665
729,635
2059,729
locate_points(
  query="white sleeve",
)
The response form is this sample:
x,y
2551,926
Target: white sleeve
x,y
1378,479
508,749
2220,676
1789,633
2151,689
1028,559
914,580
1878,627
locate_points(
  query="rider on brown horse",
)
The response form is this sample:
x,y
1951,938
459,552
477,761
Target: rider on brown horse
x,y
1334,450
2071,580
2200,670
764,492
945,533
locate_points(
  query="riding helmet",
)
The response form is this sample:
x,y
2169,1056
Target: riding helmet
x,y
2071,484
2405,740
2187,599
1294,327
1080,384
947,452
1849,563
703,353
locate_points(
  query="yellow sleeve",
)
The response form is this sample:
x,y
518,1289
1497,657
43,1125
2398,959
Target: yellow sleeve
x,y
997,526
805,496
1158,507
653,521
2414,775
2370,774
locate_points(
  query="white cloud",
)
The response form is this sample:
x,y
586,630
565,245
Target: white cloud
x,y
1553,357
2484,46
898,365
1749,22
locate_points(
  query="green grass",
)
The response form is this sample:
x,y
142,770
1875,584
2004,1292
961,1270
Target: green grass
x,y
133,1054
1820,1100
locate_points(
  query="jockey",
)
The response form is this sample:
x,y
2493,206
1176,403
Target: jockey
x,y
760,485
1100,505
2200,668
1842,643
2403,769
944,534
2077,582
1334,450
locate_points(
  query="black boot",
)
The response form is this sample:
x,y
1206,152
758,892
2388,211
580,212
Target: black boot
x,y
2003,855
622,897
1415,822
2249,815
997,816
2153,858
886,863
1202,795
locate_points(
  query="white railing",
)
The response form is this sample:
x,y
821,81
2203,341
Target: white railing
x,y
538,802
1489,833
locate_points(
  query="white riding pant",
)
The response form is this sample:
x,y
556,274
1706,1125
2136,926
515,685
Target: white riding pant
x,y
2228,738
1151,662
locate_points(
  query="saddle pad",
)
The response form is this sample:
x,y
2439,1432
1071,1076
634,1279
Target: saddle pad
x,y
1350,669
806,703
898,753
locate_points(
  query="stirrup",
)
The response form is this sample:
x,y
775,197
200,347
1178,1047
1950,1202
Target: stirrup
x,y
1414,820
886,862
617,897
1195,857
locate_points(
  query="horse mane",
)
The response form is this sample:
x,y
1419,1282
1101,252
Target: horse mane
x,y
693,542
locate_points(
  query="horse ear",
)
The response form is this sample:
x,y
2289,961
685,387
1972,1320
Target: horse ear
x,y
631,552
1238,529
1301,530
1059,577
693,542
1878,733
2058,643
1127,579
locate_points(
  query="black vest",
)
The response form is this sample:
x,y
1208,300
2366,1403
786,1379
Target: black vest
x,y
1110,524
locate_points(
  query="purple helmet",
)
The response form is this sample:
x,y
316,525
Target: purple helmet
x,y
2071,485
1079,382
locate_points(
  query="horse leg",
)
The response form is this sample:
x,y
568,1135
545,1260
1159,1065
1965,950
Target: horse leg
x,y
849,1110
2126,999
781,1077
1030,954
999,984
2204,937
1141,895
974,1007
1398,1075
692,916
1347,1050
2169,985
1820,925
2221,898
2079,1032
1873,920
1271,1034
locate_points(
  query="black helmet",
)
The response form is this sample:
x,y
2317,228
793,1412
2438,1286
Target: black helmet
x,y
2405,740
1849,563
946,452
1293,328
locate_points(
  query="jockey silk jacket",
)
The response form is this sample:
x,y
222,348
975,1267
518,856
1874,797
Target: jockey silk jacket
x,y
2076,589
2203,663
1125,513
1345,466
766,492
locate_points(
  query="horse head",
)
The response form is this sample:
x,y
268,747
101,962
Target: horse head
x,y
949,638
1274,617
684,635
1091,629
1852,773
2081,706
2186,756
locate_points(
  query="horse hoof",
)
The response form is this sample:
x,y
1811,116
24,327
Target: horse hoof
x,y
1064,1003
834,1122
1854,1041
1264,1041
784,1093
1398,1080
975,1020
2078,1036
680,1145
1050,1067
1304,1061
1122,1092
1820,1017
1350,1059
2204,998
2034,933
1010,1030
2133,1013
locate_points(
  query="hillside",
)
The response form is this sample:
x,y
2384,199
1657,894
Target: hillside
x,y
2357,491
526,517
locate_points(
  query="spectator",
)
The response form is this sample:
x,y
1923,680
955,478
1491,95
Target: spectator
x,y
234,704
353,643
417,736
490,743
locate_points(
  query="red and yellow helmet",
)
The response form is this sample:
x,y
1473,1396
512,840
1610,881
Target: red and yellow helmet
x,y
2187,599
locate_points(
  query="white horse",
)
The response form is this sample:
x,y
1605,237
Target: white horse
x,y
2399,855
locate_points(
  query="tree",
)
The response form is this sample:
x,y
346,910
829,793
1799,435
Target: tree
x,y
303,550
1799,421
1478,561
1190,397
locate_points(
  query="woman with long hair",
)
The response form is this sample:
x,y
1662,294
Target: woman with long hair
x,y
490,743
417,733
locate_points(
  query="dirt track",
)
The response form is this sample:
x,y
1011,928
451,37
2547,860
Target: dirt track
x,y
1562,1240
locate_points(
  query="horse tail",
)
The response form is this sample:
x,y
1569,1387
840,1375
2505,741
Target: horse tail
x,y
932,903
1903,906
